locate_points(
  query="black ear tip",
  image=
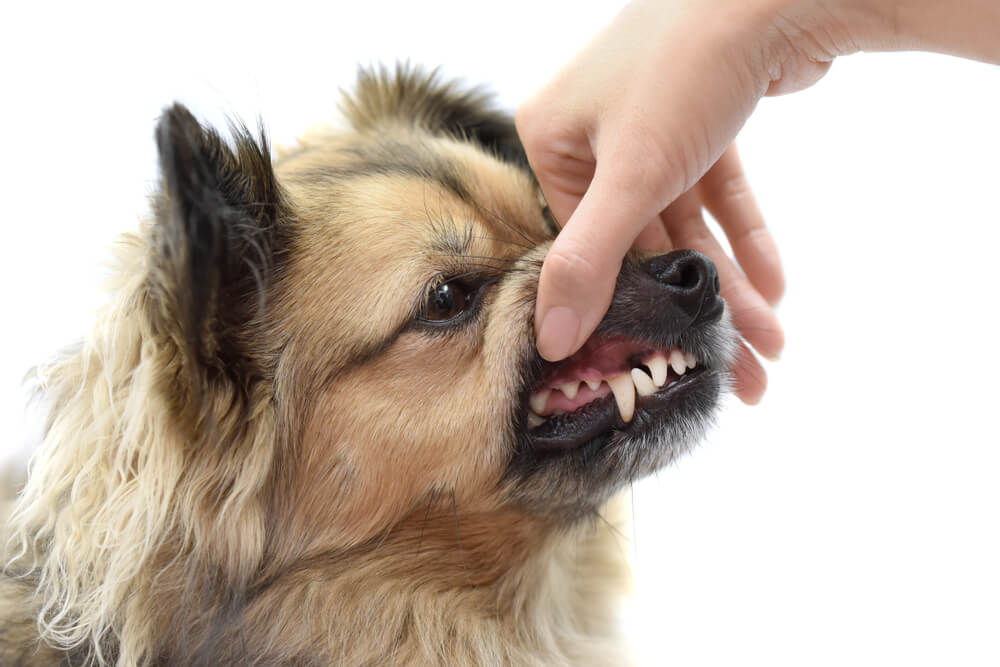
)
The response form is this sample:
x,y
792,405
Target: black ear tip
x,y
187,152
177,131
176,117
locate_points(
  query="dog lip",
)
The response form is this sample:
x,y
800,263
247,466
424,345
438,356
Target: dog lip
x,y
573,429
600,417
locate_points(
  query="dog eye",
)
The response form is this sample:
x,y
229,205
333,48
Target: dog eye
x,y
447,301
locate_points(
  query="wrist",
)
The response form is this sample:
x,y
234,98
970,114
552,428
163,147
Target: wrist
x,y
966,28
821,30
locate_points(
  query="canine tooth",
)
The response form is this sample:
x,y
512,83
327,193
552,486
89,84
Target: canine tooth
x,y
570,389
643,383
538,400
690,360
593,384
624,390
534,420
677,362
658,368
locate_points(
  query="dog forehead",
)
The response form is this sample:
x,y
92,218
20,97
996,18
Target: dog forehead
x,y
430,189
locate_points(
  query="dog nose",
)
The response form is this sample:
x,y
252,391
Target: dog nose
x,y
690,279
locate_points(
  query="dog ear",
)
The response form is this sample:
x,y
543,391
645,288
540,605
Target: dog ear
x,y
412,96
217,240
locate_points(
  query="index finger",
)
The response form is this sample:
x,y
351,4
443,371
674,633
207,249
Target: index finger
x,y
580,270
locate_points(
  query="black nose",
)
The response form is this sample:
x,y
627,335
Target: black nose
x,y
690,280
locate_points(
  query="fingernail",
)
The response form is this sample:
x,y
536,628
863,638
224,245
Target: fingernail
x,y
557,335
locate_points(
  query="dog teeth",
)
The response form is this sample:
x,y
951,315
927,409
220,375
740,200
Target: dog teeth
x,y
534,420
657,365
538,400
570,389
643,383
677,362
624,390
624,386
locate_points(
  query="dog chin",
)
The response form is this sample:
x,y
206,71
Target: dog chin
x,y
577,481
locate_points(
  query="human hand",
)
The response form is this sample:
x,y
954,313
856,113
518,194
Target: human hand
x,y
624,140
753,292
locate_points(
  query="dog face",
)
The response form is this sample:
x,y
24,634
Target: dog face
x,y
381,281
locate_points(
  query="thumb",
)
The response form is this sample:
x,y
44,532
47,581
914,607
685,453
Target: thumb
x,y
581,268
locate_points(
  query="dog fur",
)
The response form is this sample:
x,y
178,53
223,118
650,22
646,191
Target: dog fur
x,y
265,454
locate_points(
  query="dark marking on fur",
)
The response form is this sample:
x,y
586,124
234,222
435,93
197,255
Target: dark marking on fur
x,y
410,95
391,158
220,236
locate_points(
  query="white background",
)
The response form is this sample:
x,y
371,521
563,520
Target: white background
x,y
850,519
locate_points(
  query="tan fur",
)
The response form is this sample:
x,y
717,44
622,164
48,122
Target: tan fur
x,y
349,507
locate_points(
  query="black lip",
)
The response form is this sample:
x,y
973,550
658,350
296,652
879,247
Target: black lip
x,y
599,418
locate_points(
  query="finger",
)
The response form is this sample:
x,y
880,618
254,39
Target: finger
x,y
752,316
559,153
654,237
802,74
579,273
727,195
749,377
564,181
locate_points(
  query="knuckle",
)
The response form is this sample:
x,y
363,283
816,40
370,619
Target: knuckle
x,y
733,187
569,270
647,163
697,234
754,238
530,123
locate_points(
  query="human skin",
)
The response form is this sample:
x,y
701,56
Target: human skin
x,y
632,140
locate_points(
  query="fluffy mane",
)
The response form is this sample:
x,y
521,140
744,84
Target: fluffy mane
x,y
118,484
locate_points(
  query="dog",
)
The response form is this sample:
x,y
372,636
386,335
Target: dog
x,y
311,426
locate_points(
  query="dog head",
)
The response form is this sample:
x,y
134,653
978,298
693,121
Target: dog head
x,y
380,282
321,370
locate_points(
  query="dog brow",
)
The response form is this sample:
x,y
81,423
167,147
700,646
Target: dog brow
x,y
450,239
391,158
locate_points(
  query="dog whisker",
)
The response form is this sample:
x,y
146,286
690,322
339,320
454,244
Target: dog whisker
x,y
458,533
506,242
423,527
611,526
635,533
512,227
